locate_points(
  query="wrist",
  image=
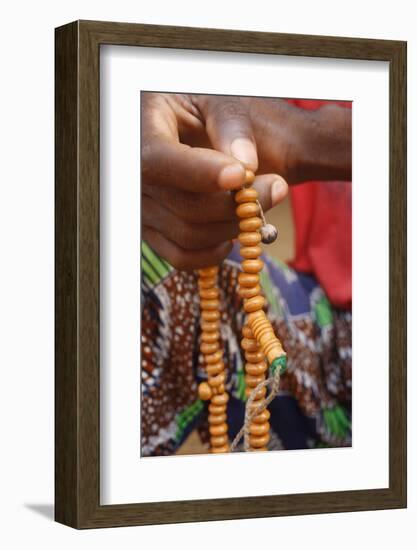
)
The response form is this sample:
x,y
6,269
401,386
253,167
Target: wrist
x,y
324,147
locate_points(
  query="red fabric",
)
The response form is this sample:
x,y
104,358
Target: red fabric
x,y
323,229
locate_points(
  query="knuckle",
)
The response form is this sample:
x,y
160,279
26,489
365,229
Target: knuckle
x,y
187,206
188,235
229,109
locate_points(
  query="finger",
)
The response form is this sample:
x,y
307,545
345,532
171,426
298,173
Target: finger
x,y
272,189
189,236
215,207
229,127
185,260
194,207
170,163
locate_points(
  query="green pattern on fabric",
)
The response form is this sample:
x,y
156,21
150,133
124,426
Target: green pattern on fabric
x,y
155,268
323,312
151,278
186,416
336,421
321,445
268,288
241,385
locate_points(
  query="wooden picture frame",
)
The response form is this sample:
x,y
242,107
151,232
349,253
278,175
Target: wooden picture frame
x,y
77,375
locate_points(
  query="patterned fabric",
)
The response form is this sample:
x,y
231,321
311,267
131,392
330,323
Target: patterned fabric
x,y
313,408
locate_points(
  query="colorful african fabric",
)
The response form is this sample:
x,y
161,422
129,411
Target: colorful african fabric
x,y
313,408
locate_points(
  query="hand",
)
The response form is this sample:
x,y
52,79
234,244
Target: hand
x,y
188,213
193,230
195,148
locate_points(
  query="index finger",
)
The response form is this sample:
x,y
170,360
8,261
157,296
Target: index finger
x,y
167,162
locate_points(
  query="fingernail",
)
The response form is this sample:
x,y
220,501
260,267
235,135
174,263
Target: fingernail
x,y
278,190
232,176
244,150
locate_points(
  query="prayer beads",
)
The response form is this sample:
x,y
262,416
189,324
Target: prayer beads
x,y
259,344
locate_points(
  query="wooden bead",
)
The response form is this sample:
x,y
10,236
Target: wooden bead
x,y
208,271
207,348
274,351
247,194
250,252
249,345
207,326
222,449
247,210
209,305
214,357
260,394
248,279
254,356
264,334
256,369
252,266
214,419
267,339
262,417
249,177
269,233
220,389
252,381
204,391
211,315
217,380
218,440
250,224
247,333
219,429
214,370
259,429
246,292
209,293
253,304
220,399
210,337
258,441
251,238
210,282
255,317
259,403
217,409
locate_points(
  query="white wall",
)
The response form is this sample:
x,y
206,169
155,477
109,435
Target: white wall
x,y
26,289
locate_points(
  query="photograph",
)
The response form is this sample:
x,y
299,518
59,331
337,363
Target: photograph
x,y
246,273
208,272
230,275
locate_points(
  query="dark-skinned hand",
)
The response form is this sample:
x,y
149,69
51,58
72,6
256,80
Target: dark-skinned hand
x,y
195,150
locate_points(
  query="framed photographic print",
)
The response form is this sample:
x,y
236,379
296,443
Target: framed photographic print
x,y
230,274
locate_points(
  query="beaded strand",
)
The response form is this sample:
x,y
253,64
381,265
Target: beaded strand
x,y
260,345
214,389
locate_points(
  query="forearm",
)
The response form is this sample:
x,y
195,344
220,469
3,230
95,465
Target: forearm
x,y
302,145
325,149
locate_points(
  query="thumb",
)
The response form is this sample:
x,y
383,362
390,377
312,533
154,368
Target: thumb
x,y
272,189
229,128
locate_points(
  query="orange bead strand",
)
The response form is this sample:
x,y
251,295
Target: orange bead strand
x,y
255,369
259,343
213,390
